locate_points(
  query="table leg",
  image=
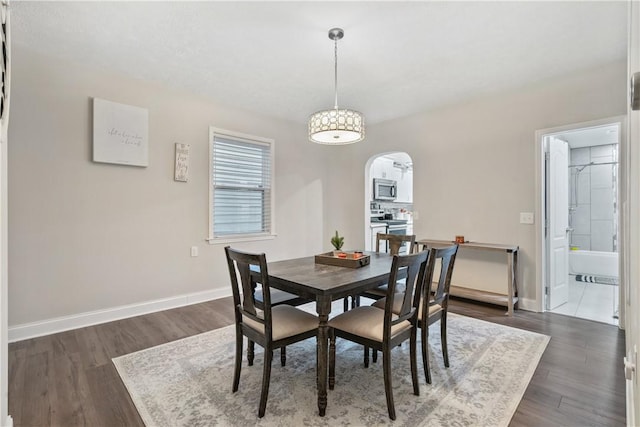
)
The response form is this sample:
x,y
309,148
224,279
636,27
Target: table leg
x,y
323,308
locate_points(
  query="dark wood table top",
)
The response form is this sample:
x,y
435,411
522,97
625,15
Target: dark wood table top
x,y
304,277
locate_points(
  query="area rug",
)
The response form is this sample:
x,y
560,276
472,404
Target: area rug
x,y
188,382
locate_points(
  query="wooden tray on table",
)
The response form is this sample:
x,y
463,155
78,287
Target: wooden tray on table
x,y
353,259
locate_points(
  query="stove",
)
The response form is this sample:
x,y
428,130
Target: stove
x,y
376,214
392,226
395,222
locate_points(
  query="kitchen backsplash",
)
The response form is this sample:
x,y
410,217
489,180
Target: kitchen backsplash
x,y
397,209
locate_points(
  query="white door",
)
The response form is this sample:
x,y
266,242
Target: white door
x,y
558,211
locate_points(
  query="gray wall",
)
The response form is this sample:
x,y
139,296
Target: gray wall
x,y
86,236
474,165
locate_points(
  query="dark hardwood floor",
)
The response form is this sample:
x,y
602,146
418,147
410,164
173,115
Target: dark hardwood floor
x,y
67,379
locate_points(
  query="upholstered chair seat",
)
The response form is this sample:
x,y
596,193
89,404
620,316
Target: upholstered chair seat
x,y
367,322
433,308
286,321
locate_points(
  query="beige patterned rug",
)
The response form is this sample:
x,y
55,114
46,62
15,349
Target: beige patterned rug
x,y
188,382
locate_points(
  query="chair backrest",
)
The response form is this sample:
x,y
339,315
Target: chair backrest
x,y
245,270
415,266
447,256
395,242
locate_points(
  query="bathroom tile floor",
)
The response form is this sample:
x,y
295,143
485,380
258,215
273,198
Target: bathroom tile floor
x,y
591,301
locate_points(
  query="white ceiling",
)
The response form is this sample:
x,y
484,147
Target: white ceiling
x,y
274,58
592,136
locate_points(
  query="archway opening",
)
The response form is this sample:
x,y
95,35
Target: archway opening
x,y
389,195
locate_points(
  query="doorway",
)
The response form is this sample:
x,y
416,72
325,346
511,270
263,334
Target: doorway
x,y
580,200
388,211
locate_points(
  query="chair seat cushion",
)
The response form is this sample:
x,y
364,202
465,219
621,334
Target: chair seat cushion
x,y
433,309
380,291
279,297
367,322
397,304
287,321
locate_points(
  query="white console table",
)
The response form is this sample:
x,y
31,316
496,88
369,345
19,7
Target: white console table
x,y
510,298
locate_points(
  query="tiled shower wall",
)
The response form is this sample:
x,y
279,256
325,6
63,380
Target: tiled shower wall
x,y
593,198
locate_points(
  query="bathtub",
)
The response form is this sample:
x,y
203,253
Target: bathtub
x,y
593,263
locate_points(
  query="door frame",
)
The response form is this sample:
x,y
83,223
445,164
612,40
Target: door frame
x,y
540,207
368,191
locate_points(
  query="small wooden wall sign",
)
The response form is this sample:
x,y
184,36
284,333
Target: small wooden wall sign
x,y
182,162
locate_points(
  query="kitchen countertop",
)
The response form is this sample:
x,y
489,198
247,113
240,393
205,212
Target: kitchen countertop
x,y
390,221
377,224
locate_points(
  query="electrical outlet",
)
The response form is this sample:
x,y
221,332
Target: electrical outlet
x,y
194,251
526,217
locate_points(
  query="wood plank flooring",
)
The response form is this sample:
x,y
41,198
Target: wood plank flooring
x,y
67,379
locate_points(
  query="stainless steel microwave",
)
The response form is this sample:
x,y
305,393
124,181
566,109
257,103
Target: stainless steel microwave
x,y
384,189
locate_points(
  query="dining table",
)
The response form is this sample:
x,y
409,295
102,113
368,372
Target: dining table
x,y
324,284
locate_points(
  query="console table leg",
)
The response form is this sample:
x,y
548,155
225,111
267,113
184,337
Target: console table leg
x,y
510,284
515,277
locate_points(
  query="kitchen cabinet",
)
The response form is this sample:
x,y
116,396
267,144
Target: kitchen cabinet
x,y
384,168
375,228
410,227
405,186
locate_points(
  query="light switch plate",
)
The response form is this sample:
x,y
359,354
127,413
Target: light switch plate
x,y
194,251
526,217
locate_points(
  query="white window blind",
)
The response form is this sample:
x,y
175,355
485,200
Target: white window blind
x,y
241,187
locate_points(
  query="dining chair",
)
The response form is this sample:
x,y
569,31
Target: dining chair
x,y
395,243
382,329
271,327
437,303
278,297
436,300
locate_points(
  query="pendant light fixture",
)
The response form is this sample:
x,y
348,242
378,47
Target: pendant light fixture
x,y
336,126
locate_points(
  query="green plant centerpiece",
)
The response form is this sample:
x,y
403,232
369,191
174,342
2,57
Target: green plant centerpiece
x,y
337,241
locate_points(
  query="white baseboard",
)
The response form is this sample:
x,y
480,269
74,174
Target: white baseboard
x,y
8,422
631,413
65,323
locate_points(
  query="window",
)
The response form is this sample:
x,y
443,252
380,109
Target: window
x,y
240,203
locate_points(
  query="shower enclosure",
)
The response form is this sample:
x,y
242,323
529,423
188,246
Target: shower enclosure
x,y
593,216
593,198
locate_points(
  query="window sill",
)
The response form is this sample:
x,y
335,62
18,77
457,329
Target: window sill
x,y
240,239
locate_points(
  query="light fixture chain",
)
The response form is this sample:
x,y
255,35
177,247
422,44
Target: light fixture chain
x,y
335,126
335,51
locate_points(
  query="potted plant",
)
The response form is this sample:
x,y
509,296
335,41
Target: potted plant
x,y
337,241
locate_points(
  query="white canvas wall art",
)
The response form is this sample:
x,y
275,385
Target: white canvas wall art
x,y
120,133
